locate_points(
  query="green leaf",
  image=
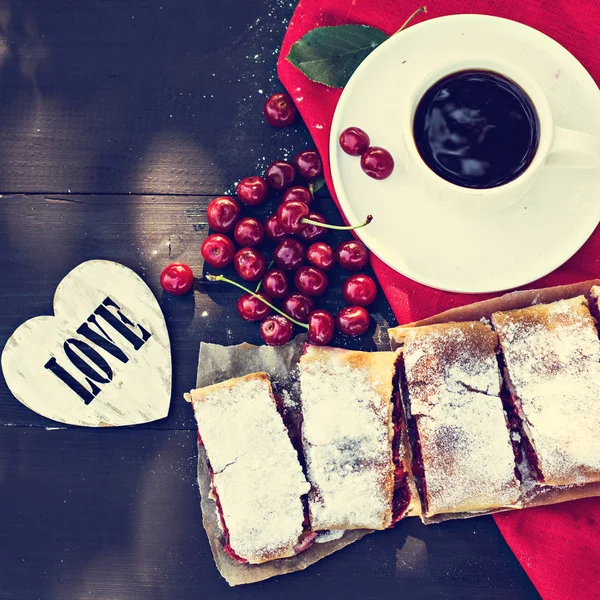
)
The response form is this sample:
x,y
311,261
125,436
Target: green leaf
x,y
317,184
330,55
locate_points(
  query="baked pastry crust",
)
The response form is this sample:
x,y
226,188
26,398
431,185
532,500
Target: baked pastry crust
x,y
552,356
257,477
452,394
347,435
534,493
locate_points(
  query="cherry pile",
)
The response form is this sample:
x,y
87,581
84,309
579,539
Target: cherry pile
x,y
283,255
375,161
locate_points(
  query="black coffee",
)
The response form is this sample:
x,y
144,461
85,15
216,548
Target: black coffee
x,y
476,129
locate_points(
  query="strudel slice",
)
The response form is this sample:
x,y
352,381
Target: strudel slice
x,y
552,357
462,454
347,436
257,480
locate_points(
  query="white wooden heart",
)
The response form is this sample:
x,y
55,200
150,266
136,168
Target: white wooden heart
x,y
104,359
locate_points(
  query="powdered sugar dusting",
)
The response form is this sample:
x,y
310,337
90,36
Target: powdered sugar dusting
x,y
346,403
453,382
552,354
256,469
329,536
528,480
462,355
289,402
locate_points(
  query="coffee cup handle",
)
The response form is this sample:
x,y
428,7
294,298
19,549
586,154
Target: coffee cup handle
x,y
574,149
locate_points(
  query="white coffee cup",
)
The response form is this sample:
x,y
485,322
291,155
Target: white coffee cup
x,y
557,147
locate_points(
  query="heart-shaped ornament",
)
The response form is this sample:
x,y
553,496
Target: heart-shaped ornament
x,y
103,359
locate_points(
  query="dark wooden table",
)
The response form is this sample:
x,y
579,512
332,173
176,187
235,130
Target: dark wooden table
x,y
119,121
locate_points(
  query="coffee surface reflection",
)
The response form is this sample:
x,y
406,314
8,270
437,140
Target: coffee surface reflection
x,y
476,129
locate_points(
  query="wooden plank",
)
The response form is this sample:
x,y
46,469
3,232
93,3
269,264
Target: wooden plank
x,y
115,514
100,96
43,237
137,97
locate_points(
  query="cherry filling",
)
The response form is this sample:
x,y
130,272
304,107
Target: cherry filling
x,y
401,496
418,470
594,309
306,539
522,445
279,403
292,419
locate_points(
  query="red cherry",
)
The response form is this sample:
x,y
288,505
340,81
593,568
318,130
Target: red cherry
x,y
275,284
276,330
311,281
249,232
252,309
321,327
177,279
222,213
353,320
280,175
354,141
298,306
217,250
359,290
290,215
252,190
377,162
273,229
279,110
308,164
352,255
298,193
289,254
250,264
320,255
312,233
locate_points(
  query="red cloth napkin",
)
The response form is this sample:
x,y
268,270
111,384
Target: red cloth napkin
x,y
558,546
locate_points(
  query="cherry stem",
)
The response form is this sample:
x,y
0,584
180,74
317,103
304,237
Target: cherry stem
x,y
338,227
242,287
260,282
404,25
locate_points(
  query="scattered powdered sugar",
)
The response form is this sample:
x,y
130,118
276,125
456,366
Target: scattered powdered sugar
x,y
462,355
256,470
329,536
288,400
552,354
347,438
453,382
528,480
544,341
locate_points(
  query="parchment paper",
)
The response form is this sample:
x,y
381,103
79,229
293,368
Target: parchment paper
x,y
539,495
511,301
218,363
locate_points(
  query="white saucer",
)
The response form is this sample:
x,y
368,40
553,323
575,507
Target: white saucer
x,y
439,246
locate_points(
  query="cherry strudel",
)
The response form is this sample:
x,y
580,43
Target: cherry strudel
x,y
463,460
357,479
257,480
552,357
